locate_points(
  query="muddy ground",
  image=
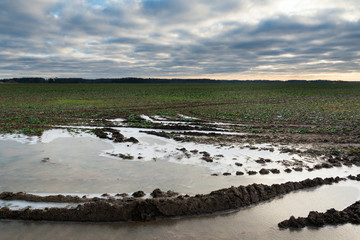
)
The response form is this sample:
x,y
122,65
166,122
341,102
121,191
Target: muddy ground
x,y
161,205
336,150
350,214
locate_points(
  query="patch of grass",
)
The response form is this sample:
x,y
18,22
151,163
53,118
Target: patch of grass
x,y
354,150
31,131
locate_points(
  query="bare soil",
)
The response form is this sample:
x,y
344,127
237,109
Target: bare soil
x,y
162,205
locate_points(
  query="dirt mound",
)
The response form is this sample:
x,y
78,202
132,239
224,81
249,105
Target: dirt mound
x,y
113,134
163,206
350,214
157,193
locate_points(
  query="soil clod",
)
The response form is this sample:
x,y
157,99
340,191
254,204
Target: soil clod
x,y
138,194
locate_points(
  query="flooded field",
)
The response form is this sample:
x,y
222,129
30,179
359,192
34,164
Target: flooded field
x,y
91,162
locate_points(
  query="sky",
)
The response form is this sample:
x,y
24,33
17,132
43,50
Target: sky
x,y
217,39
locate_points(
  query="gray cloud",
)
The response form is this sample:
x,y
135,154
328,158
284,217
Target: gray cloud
x,y
153,38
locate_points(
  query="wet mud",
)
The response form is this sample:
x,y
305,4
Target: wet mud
x,y
139,206
114,135
123,156
350,214
323,147
35,198
197,125
161,205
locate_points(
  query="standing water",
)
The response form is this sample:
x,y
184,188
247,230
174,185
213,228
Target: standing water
x,y
60,162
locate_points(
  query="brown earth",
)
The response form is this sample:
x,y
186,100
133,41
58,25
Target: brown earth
x,y
162,205
113,134
350,214
335,150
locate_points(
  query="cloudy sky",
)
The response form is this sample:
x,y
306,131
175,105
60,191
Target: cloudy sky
x,y
219,39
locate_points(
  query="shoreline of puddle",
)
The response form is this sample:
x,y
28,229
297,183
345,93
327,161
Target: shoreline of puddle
x,y
186,176
169,151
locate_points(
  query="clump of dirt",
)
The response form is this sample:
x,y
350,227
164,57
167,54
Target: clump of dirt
x,y
195,151
122,195
355,178
138,194
260,161
157,193
264,171
350,214
185,151
113,134
138,209
206,156
45,160
275,171
347,158
123,156
263,161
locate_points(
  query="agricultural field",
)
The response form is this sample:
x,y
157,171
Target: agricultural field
x,y
107,152
293,108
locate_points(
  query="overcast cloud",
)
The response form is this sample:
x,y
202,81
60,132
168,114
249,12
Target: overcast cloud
x,y
224,39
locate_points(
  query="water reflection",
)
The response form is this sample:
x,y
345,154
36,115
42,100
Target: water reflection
x,y
78,165
75,165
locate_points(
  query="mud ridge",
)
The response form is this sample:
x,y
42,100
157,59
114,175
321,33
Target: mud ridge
x,y
350,214
131,209
35,198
